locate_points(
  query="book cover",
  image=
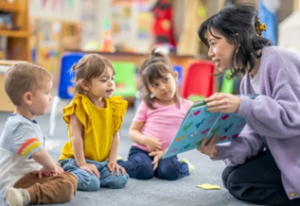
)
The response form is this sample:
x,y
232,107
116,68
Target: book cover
x,y
199,123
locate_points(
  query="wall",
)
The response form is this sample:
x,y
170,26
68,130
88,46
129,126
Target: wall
x,y
55,9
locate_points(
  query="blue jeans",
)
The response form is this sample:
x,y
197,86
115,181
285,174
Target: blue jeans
x,y
89,182
139,166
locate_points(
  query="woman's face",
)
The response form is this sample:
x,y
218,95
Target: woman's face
x,y
220,50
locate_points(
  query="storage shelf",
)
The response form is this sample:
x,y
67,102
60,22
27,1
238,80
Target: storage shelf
x,y
17,34
7,6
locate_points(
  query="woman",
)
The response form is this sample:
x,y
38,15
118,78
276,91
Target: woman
x,y
263,164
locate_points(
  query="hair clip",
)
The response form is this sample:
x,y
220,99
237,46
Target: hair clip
x,y
263,27
259,28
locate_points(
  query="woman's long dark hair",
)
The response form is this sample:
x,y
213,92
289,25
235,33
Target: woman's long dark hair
x,y
237,24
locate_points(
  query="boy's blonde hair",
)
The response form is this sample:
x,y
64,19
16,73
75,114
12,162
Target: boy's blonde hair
x,y
23,77
89,66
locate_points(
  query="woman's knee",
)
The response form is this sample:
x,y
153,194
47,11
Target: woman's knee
x,y
225,174
235,184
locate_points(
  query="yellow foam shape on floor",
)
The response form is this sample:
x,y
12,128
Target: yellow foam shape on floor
x,y
209,187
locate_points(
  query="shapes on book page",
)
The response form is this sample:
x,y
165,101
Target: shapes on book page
x,y
186,146
198,143
188,126
214,131
197,112
193,134
180,138
235,136
198,124
225,117
227,128
211,120
174,150
204,131
223,138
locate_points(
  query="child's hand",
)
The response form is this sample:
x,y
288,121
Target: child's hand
x,y
91,168
112,166
153,144
50,172
157,156
59,171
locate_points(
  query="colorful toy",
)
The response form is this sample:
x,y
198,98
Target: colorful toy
x,y
209,187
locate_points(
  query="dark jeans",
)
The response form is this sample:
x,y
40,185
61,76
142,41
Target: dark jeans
x,y
139,166
257,181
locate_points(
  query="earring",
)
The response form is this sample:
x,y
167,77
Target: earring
x,y
152,96
237,50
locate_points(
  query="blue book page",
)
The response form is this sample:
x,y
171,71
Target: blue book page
x,y
194,128
199,123
228,127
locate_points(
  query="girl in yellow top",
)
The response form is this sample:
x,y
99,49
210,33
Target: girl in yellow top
x,y
94,118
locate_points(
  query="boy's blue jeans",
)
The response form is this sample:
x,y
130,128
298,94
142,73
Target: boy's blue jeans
x,y
89,182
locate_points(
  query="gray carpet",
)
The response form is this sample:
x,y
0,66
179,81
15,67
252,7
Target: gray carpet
x,y
154,192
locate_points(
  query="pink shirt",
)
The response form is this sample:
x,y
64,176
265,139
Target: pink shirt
x,y
162,122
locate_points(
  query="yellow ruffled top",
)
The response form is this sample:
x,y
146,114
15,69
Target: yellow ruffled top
x,y
99,126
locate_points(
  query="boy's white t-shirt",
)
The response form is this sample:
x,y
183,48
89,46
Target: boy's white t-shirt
x,y
20,139
162,122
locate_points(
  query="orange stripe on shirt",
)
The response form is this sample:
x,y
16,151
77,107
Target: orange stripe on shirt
x,y
26,144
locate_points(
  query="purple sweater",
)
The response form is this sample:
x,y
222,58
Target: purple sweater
x,y
273,117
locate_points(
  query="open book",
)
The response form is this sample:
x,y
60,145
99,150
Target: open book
x,y
199,123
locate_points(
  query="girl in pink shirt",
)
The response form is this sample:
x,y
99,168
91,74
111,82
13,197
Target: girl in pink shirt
x,y
156,122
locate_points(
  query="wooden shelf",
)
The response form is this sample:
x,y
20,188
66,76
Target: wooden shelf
x,y
7,6
18,45
17,39
18,34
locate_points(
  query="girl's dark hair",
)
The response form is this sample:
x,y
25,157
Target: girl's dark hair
x,y
230,21
89,66
155,67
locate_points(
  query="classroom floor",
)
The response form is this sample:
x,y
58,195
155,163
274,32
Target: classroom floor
x,y
146,193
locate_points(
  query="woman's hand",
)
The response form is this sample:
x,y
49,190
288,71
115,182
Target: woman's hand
x,y
209,148
223,102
